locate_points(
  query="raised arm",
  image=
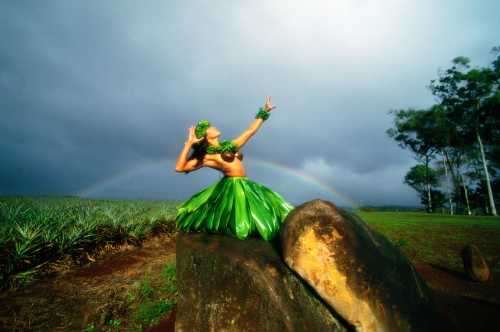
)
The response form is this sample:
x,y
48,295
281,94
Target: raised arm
x,y
245,136
183,164
254,126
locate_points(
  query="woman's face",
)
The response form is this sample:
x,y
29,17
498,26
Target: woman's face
x,y
212,132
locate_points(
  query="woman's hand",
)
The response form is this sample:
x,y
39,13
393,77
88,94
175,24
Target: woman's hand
x,y
268,107
192,139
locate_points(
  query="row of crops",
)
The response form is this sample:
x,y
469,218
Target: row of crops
x,y
37,231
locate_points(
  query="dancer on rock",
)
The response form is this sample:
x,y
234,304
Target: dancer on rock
x,y
234,205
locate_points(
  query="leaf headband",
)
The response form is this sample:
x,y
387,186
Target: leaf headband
x,y
201,128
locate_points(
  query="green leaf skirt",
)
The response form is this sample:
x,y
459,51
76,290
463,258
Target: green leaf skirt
x,y
237,206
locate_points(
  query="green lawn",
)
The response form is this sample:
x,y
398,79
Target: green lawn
x,y
437,238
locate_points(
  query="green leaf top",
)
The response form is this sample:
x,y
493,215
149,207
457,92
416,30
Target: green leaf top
x,y
225,146
201,128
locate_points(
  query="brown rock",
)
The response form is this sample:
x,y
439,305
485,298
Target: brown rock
x,y
356,270
474,264
227,284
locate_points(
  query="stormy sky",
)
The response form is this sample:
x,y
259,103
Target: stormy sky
x,y
96,96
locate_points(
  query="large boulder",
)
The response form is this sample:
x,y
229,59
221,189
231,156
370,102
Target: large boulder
x,y
474,263
227,284
356,270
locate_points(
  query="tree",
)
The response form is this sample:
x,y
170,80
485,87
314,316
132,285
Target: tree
x,y
422,178
438,199
476,173
470,98
439,134
409,131
453,148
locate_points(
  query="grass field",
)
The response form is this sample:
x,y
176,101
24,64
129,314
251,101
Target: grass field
x,y
41,230
438,238
45,234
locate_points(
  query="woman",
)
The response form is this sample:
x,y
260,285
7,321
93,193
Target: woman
x,y
235,205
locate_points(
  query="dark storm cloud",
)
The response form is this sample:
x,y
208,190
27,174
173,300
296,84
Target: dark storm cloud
x,y
92,90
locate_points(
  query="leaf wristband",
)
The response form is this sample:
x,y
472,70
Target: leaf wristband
x,y
264,115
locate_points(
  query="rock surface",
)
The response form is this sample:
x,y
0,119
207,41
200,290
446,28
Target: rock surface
x,y
227,284
356,270
474,264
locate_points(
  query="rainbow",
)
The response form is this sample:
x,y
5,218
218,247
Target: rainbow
x,y
120,177
306,177
297,173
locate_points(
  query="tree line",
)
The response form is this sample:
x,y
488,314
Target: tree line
x,y
456,141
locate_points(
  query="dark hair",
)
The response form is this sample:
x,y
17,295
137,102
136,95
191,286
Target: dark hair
x,y
199,150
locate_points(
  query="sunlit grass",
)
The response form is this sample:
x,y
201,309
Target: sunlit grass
x,y
438,238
